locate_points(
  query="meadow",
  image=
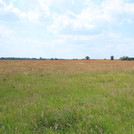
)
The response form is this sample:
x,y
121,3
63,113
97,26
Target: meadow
x,y
67,97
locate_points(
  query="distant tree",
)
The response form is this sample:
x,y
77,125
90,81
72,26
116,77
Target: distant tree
x,y
124,58
40,58
112,57
87,58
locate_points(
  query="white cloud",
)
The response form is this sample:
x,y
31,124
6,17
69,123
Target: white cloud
x,y
59,4
72,21
107,12
9,12
45,7
118,10
5,32
94,16
1,2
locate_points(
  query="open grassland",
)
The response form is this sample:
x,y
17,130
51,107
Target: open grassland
x,y
79,97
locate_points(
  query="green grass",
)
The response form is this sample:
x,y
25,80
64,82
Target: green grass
x,y
96,103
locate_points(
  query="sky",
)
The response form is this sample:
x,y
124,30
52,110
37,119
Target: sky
x,y
67,28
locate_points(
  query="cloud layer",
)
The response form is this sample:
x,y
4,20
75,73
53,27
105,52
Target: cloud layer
x,y
68,29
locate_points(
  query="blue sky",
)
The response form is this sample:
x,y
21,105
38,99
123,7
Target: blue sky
x,y
66,28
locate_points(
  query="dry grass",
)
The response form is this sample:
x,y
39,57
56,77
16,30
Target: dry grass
x,y
64,67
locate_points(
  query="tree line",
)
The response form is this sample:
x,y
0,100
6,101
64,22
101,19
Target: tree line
x,y
125,58
16,58
112,58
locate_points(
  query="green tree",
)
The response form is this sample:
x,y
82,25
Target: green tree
x,y
112,57
124,58
87,58
40,58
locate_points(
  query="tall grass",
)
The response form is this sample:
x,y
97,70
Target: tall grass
x,y
71,97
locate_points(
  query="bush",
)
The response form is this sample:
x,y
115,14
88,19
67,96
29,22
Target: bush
x,y
124,58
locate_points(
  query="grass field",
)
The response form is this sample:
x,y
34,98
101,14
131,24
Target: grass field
x,y
79,97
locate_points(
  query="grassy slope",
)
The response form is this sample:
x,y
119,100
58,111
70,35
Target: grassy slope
x,y
67,101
